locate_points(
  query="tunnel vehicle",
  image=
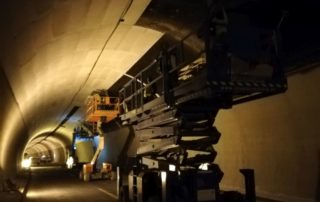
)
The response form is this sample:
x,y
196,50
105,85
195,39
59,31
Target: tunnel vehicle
x,y
171,104
89,139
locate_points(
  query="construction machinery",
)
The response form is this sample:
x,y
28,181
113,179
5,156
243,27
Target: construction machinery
x,y
171,104
89,139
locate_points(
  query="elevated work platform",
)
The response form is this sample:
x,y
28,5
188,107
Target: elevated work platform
x,y
172,104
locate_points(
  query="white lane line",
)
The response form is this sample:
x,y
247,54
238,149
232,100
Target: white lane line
x,y
108,193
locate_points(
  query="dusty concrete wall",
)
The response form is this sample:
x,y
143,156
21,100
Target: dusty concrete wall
x,y
114,143
59,155
279,137
12,129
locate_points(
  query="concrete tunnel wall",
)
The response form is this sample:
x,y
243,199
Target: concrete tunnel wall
x,y
59,155
57,152
117,144
279,137
13,133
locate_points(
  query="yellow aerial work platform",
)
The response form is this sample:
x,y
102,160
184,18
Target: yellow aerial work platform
x,y
102,108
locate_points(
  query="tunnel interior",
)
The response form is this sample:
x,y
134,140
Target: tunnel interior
x,y
55,53
44,149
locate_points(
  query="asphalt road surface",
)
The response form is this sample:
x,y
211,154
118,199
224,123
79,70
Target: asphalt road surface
x,y
53,184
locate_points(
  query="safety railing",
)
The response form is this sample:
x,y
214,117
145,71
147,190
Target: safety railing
x,y
152,81
223,73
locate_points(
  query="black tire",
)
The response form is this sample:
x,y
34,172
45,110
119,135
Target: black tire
x,y
124,194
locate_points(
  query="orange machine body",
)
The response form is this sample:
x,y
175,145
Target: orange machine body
x,y
102,108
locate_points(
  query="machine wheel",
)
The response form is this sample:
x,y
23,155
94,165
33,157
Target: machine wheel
x,y
124,194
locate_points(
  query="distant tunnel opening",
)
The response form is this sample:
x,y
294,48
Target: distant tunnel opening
x,y
44,150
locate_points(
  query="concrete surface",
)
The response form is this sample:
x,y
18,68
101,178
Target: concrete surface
x,y
278,137
51,184
15,195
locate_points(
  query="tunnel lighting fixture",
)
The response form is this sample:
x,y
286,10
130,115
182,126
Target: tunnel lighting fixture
x,y
172,167
70,162
204,166
26,163
163,176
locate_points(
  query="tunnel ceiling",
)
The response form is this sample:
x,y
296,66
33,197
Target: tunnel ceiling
x,y
296,21
54,53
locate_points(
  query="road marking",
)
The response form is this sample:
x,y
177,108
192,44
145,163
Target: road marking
x,y
108,193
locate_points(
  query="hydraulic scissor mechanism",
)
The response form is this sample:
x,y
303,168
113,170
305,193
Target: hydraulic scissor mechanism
x,y
173,102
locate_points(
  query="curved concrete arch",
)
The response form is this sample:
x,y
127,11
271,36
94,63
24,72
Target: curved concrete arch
x,y
57,136
40,149
54,145
59,150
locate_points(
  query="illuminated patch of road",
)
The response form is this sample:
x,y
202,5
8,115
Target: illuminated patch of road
x,y
108,193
